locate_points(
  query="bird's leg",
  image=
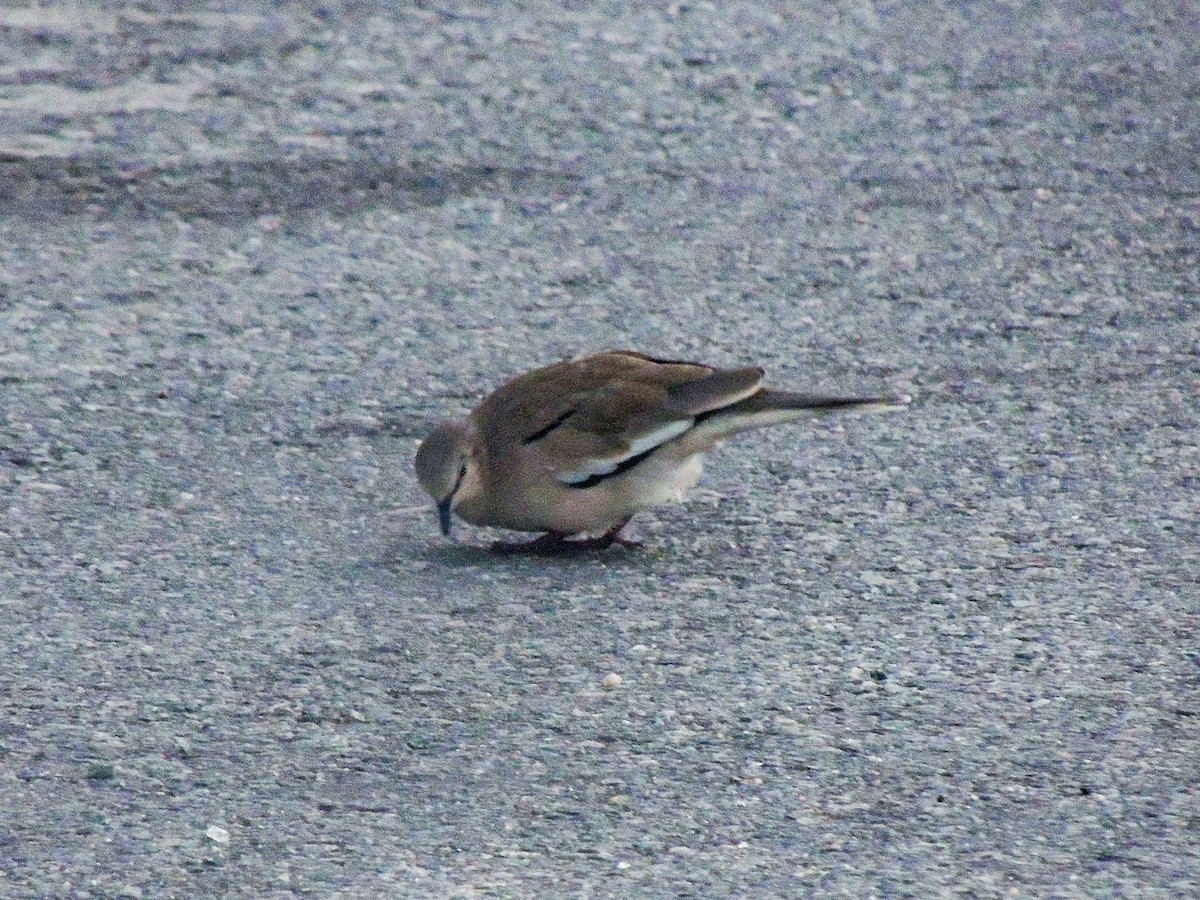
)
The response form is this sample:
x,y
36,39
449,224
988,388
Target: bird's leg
x,y
550,542
555,542
610,537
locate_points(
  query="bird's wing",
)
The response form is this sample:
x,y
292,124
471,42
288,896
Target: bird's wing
x,y
593,418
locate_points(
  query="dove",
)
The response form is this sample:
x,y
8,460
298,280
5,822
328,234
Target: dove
x,y
575,449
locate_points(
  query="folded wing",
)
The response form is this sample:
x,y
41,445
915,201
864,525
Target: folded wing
x,y
632,405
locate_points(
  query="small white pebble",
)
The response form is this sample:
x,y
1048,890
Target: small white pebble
x,y
217,834
612,680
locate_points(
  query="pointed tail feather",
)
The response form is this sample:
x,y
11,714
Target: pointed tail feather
x,y
768,400
770,407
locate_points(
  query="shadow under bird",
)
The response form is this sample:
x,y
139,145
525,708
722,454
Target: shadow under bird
x,y
575,449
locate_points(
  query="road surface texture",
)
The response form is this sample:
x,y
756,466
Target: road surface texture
x,y
251,252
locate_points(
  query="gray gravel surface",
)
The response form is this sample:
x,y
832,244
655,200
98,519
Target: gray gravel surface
x,y
248,256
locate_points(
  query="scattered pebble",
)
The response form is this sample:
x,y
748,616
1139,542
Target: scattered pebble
x,y
612,680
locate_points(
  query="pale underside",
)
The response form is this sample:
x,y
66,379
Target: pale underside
x,y
552,505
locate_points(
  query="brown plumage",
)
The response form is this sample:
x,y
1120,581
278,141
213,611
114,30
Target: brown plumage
x,y
578,447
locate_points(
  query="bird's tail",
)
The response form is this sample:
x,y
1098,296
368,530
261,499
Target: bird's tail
x,y
771,407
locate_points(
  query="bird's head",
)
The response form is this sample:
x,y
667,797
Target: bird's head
x,y
447,468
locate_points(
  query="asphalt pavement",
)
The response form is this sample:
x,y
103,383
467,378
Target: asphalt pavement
x,y
250,253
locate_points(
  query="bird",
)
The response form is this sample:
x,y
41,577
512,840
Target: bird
x,y
575,449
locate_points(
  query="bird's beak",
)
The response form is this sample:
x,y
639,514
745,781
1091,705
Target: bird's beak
x,y
444,513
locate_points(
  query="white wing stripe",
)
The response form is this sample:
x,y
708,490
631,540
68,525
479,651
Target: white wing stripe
x,y
646,442
659,435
